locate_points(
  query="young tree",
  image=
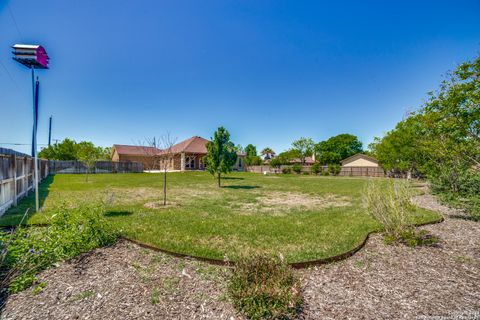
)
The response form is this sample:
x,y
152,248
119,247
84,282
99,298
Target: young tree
x,y
167,142
64,150
304,148
88,154
221,154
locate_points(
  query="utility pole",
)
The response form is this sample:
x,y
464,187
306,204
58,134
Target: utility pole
x,y
50,131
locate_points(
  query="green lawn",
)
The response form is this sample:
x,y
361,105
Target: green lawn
x,y
302,217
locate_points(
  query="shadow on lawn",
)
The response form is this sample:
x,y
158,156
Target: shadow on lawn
x,y
242,187
232,178
14,215
117,213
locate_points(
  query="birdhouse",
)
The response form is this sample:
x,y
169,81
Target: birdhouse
x,y
31,56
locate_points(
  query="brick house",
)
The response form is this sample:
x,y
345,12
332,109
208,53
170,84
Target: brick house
x,y
185,155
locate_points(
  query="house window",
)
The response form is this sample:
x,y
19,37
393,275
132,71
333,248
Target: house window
x,y
190,162
239,162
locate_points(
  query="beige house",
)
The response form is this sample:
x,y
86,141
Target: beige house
x,y
360,160
185,155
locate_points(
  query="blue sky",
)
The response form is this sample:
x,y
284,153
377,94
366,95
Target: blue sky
x,y
269,71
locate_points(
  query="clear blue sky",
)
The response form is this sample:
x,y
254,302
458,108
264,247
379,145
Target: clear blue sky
x,y
269,71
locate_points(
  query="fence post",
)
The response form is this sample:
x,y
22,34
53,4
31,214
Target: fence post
x,y
14,168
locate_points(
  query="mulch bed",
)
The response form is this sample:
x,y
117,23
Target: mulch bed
x,y
379,282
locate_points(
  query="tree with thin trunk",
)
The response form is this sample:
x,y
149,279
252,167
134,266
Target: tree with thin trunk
x,y
88,154
221,154
166,144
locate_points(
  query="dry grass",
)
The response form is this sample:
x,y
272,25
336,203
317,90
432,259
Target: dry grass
x,y
279,203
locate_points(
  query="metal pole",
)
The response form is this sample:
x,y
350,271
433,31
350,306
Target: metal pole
x,y
35,140
50,131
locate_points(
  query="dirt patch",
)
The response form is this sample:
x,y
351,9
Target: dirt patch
x,y
159,205
281,202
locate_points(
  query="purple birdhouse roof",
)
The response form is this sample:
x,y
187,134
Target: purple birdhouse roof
x,y
31,55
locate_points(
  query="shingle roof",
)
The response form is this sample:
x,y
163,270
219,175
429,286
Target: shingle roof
x,y
134,150
194,144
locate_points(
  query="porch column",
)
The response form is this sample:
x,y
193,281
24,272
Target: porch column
x,y
182,161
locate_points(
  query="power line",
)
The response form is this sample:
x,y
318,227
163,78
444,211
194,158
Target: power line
x,y
14,21
9,75
21,144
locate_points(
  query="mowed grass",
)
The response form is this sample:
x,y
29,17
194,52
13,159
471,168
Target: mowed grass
x,y
302,217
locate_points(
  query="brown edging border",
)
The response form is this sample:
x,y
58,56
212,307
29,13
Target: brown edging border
x,y
296,265
218,262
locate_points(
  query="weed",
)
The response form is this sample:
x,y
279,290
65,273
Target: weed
x,y
155,296
265,288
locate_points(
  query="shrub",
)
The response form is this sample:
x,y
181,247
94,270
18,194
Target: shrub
x,y
325,173
287,170
305,173
29,250
297,168
315,168
390,205
334,169
265,288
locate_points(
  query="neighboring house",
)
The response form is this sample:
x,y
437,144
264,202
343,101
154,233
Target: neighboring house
x,y
360,160
185,155
142,154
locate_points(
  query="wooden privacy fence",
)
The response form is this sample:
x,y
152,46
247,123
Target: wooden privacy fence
x,y
16,176
344,171
73,166
17,170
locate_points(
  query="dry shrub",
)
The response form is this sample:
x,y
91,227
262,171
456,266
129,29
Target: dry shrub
x,y
265,288
390,205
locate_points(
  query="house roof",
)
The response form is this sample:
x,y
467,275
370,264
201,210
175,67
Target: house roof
x,y
195,145
358,156
134,150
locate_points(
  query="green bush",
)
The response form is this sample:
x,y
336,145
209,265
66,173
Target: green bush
x,y
334,169
315,168
287,170
297,168
305,173
265,288
28,250
325,173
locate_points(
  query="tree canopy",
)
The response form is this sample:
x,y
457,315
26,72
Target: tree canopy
x,y
303,147
337,148
68,149
442,139
251,157
221,154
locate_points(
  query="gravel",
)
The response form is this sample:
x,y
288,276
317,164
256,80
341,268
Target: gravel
x,y
380,281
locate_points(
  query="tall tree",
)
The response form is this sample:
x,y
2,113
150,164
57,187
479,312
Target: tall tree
x,y
267,153
221,154
304,148
337,148
251,157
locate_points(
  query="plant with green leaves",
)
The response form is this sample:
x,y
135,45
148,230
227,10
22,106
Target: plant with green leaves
x,y
304,147
315,168
265,288
88,154
297,168
337,148
221,154
251,157
27,251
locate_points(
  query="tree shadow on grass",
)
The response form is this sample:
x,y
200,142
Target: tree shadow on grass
x,y
241,187
117,213
232,178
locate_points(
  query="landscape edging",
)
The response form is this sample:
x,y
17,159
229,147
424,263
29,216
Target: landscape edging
x,y
296,265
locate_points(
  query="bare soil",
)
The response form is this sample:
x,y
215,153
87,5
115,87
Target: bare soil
x,y
379,282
